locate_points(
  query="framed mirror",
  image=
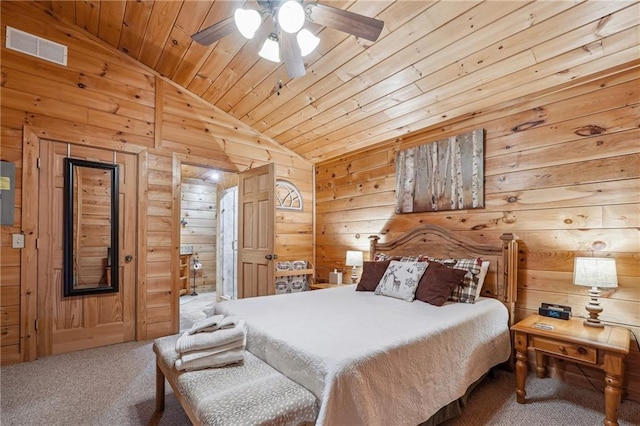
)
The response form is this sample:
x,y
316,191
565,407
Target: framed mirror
x,y
90,227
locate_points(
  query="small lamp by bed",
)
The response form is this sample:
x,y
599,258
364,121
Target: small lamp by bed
x,y
597,273
354,259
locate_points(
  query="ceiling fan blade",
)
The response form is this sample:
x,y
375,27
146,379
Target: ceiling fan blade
x,y
291,55
343,20
215,32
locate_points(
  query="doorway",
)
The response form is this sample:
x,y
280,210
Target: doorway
x,y
208,234
70,323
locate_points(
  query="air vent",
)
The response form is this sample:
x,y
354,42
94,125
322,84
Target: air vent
x,y
36,46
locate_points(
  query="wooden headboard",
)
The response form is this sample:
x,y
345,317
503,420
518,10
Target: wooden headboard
x,y
501,280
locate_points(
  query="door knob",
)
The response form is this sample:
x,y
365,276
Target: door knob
x,y
128,258
268,257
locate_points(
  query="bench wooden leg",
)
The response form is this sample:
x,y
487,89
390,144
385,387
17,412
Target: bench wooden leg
x,y
159,389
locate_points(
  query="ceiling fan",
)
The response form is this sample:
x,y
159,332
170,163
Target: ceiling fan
x,y
289,39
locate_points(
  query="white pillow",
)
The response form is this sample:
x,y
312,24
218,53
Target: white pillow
x,y
401,279
483,273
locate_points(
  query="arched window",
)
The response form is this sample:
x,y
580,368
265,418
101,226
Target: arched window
x,y
287,196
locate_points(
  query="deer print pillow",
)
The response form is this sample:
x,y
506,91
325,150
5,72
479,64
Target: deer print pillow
x,y
401,279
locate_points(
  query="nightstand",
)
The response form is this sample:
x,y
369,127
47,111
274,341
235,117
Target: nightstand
x,y
571,340
319,286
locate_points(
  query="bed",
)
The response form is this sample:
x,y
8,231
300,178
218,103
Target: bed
x,y
376,360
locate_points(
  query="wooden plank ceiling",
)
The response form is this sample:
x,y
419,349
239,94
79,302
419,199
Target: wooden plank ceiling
x,y
435,62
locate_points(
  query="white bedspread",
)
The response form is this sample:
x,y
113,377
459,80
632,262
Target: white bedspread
x,y
374,360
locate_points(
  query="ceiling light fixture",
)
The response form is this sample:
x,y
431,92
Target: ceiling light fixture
x,y
307,41
291,16
270,49
247,21
289,41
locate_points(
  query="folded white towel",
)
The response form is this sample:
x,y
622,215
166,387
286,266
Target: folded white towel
x,y
216,360
194,355
194,342
206,324
216,322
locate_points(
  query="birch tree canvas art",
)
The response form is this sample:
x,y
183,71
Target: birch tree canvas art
x,y
444,175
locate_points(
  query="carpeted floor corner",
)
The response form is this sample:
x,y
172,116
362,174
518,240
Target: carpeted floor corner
x,y
550,402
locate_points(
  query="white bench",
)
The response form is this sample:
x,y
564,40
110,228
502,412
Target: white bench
x,y
251,393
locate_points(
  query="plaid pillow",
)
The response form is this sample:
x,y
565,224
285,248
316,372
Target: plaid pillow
x,y
466,291
381,257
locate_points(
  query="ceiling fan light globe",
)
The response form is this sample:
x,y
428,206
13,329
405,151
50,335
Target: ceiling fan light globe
x,y
270,49
291,16
307,41
247,21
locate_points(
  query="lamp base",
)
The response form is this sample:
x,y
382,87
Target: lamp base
x,y
354,275
594,309
593,323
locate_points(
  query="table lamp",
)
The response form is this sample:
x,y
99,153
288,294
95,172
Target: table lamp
x,y
597,273
354,259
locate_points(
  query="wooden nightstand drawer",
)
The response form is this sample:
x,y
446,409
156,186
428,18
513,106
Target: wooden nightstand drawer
x,y
564,349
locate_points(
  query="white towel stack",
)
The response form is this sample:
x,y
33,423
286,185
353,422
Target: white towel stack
x,y
215,341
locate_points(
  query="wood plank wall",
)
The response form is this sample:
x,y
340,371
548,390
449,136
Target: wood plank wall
x,y
199,208
562,171
105,99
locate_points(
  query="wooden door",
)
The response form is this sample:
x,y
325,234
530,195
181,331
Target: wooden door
x,y
72,323
256,228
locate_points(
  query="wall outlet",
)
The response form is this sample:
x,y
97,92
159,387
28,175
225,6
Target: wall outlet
x,y
17,241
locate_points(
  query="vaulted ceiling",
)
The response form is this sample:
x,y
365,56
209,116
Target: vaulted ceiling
x,y
435,61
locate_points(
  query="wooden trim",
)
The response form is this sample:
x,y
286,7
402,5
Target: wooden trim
x,y
143,226
78,139
29,255
176,192
159,113
214,163
314,252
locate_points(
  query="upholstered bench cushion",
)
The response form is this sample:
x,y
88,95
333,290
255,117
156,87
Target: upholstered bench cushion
x,y
252,393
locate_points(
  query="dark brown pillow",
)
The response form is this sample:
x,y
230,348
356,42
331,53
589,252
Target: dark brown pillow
x,y
372,272
437,282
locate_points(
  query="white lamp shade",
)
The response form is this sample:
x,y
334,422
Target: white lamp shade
x,y
291,16
247,21
307,41
595,272
270,49
354,258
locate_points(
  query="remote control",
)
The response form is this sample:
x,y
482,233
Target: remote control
x,y
543,326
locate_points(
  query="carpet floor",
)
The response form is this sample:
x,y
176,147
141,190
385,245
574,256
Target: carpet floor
x,y
115,385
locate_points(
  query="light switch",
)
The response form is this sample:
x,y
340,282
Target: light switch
x,y
17,241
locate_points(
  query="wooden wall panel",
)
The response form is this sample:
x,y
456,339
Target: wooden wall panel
x,y
104,95
562,174
199,208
